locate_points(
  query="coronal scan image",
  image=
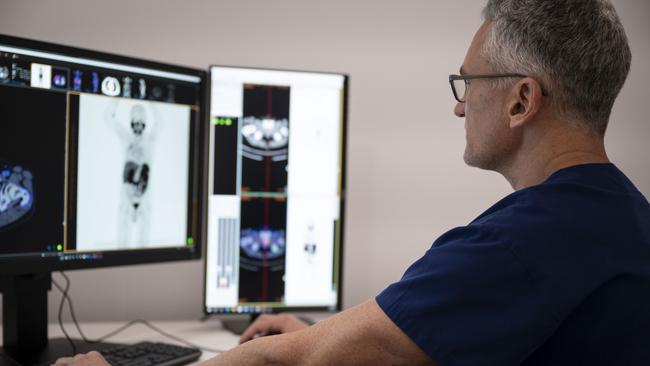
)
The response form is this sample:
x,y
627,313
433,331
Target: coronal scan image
x,y
126,168
135,202
265,132
16,194
138,139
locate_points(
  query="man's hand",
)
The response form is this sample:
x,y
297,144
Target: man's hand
x,y
93,358
272,324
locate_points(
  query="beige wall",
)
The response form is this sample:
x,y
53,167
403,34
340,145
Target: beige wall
x,y
406,178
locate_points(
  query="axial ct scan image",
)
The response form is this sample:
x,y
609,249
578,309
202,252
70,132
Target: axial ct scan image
x,y
32,170
16,194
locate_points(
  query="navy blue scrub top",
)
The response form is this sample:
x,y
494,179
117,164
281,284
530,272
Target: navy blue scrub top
x,y
554,274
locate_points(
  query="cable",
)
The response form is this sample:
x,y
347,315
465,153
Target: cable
x,y
70,305
63,297
153,327
120,329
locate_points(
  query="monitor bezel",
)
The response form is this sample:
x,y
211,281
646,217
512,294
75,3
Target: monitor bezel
x,y
344,135
38,263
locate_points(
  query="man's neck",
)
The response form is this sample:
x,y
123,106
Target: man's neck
x,y
563,149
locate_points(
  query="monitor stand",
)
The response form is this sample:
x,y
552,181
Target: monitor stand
x,y
24,323
238,325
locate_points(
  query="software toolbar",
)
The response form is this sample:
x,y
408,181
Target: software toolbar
x,y
30,69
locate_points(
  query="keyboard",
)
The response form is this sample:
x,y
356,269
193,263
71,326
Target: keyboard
x,y
150,354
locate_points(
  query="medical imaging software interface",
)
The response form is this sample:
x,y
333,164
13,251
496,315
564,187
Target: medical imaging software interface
x,y
276,157
95,156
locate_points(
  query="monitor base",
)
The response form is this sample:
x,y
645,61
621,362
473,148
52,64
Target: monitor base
x,y
238,325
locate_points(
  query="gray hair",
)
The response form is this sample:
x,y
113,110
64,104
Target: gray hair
x,y
577,49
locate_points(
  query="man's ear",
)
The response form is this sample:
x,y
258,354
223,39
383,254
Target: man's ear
x,y
524,102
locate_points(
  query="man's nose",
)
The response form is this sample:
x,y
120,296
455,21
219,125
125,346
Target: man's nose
x,y
459,110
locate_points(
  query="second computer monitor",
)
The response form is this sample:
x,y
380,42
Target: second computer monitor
x,y
276,190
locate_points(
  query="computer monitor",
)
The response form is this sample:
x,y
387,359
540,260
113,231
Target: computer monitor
x,y
100,165
276,191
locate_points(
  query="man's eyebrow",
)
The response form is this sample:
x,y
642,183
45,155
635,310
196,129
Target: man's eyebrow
x,y
462,71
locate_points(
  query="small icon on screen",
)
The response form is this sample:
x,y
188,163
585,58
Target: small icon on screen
x,y
60,78
126,87
111,86
76,80
142,88
171,93
41,76
95,79
156,92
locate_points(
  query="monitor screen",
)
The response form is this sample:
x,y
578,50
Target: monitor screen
x,y
100,160
276,190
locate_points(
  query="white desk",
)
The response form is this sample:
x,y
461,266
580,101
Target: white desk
x,y
204,334
208,334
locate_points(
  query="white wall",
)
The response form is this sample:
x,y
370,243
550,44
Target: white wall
x,y
407,183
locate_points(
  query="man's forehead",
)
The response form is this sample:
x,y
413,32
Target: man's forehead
x,y
473,57
481,34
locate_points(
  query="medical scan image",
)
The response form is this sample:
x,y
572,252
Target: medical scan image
x,y
135,205
133,165
265,146
16,194
32,170
265,132
263,243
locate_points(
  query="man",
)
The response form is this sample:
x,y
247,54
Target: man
x,y
558,272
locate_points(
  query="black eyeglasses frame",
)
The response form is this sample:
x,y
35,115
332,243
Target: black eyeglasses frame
x,y
466,78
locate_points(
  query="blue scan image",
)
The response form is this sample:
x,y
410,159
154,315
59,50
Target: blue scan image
x,y
16,194
263,243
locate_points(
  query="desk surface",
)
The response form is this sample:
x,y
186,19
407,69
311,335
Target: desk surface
x,y
207,333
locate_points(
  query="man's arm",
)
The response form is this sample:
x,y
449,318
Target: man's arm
x,y
110,118
360,335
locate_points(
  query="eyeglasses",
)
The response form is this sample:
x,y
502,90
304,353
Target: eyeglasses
x,y
459,83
